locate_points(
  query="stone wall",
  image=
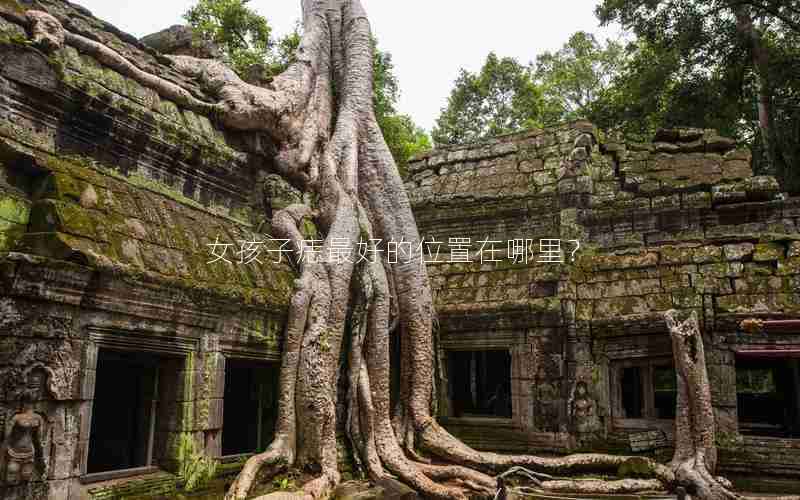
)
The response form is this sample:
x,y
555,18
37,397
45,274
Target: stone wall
x,y
680,223
109,198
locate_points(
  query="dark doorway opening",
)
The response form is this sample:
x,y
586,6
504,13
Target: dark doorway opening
x,y
123,411
768,396
645,389
480,383
632,400
250,407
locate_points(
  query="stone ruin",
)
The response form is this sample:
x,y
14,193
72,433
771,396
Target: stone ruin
x,y
112,198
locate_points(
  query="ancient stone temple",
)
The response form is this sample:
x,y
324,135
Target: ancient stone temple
x,y
580,349
140,331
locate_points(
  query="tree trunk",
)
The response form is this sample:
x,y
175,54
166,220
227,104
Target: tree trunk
x,y
695,458
329,145
760,61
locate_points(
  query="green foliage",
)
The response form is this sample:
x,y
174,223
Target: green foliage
x,y
573,78
708,64
244,37
286,50
386,89
500,99
403,137
196,469
654,90
284,483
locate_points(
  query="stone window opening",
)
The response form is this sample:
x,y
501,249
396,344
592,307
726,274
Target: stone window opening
x,y
250,406
124,414
632,394
480,383
643,390
768,396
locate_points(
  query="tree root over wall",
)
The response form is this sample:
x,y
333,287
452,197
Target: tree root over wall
x,y
330,146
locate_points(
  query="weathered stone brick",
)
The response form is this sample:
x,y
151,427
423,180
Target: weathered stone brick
x,y
738,251
768,251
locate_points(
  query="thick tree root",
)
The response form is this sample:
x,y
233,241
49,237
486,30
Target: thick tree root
x,y
602,487
535,477
695,448
439,442
785,497
273,461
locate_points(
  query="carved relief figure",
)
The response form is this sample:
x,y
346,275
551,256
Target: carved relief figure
x,y
23,446
547,400
584,416
582,407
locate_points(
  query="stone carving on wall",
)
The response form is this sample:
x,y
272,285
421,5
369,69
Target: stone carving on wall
x,y
57,360
582,407
9,314
34,380
583,413
22,320
547,397
22,448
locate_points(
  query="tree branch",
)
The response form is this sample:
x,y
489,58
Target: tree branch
x,y
776,13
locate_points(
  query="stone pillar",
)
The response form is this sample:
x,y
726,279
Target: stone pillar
x,y
88,379
212,396
721,367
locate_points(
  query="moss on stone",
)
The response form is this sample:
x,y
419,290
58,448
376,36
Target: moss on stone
x,y
229,468
14,38
789,267
156,485
11,6
102,235
309,229
636,467
13,209
204,395
57,216
10,234
769,251
195,469
676,255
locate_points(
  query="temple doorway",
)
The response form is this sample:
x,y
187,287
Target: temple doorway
x,y
123,411
768,394
250,406
480,383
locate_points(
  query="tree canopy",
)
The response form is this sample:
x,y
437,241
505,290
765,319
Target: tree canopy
x,y
727,64
507,96
243,36
501,98
573,78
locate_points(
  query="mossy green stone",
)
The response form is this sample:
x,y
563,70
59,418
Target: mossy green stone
x,y
11,6
769,251
636,467
14,210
